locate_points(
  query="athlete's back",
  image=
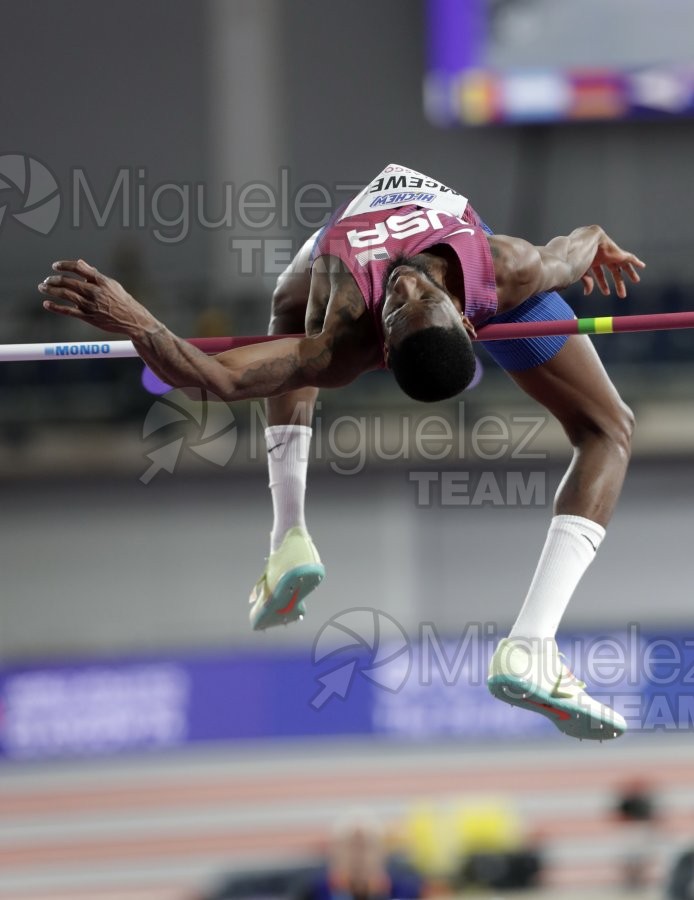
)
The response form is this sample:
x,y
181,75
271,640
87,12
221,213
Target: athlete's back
x,y
402,213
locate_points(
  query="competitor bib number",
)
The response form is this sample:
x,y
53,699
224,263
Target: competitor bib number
x,y
400,186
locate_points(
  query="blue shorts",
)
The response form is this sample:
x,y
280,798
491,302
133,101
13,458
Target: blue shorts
x,y
525,353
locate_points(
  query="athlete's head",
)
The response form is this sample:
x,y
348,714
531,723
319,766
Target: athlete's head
x,y
427,344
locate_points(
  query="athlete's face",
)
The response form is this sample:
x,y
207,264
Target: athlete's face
x,y
413,300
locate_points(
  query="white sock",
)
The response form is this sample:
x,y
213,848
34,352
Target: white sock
x,y
571,545
288,451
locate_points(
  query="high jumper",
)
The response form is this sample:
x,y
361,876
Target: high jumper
x,y
400,278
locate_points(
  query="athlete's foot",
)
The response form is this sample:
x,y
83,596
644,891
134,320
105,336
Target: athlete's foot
x,y
292,572
532,675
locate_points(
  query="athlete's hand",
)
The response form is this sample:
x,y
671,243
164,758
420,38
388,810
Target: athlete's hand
x,y
94,298
611,258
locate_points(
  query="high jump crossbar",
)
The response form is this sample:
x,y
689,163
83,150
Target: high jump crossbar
x,y
107,349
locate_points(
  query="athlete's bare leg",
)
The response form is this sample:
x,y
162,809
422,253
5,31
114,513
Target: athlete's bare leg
x,y
526,669
288,316
294,568
575,388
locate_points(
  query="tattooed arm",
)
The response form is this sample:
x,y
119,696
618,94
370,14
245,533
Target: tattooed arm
x,y
259,370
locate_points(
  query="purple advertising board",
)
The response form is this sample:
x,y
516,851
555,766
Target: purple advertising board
x,y
421,688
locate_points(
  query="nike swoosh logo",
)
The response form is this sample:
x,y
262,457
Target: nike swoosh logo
x,y
281,444
595,549
559,713
290,606
461,231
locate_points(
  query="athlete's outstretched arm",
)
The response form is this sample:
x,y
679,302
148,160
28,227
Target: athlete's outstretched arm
x,y
258,370
523,270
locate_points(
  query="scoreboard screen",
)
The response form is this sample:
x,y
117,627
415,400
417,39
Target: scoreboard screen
x,y
519,61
